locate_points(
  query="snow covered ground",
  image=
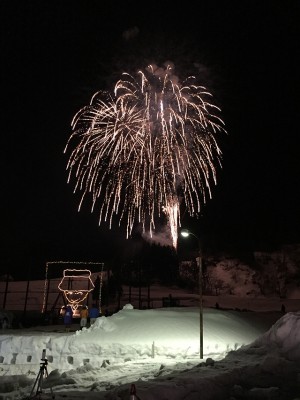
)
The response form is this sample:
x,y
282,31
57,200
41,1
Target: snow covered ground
x,y
247,355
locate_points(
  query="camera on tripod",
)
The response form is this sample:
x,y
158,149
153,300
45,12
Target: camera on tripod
x,y
44,355
38,384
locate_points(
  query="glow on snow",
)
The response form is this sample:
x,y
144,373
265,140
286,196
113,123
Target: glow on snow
x,y
143,149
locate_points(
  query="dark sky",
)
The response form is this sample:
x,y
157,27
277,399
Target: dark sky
x,y
56,54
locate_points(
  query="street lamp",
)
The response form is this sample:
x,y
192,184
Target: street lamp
x,y
186,233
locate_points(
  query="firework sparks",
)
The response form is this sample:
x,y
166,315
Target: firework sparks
x,y
146,146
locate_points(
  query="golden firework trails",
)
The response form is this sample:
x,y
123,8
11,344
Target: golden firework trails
x,y
142,149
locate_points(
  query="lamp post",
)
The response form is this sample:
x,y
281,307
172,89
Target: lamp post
x,y
186,233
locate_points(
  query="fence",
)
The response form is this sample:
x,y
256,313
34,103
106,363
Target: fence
x,y
44,296
39,295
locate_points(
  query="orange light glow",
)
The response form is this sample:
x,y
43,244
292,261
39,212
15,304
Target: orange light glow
x,y
75,277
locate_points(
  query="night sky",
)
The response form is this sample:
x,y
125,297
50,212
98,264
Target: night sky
x,y
56,54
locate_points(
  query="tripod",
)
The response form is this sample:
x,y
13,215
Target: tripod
x,y
39,380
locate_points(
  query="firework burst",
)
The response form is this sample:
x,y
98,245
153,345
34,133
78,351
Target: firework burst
x,y
142,149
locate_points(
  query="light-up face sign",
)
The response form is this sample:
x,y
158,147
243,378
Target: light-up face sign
x,y
76,284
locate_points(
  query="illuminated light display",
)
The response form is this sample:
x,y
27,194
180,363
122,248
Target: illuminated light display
x,y
76,296
86,277
147,147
